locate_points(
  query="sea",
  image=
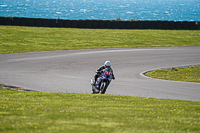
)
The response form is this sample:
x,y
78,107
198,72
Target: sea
x,y
170,10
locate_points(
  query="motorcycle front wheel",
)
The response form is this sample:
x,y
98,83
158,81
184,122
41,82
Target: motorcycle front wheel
x,y
103,88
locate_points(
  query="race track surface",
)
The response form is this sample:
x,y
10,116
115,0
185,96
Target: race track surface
x,y
70,71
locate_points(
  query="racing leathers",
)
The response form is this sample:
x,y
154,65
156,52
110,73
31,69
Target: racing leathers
x,y
100,70
103,73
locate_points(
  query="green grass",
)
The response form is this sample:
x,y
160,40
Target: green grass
x,y
188,74
22,112
16,39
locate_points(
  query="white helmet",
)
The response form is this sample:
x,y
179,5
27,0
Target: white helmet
x,y
107,64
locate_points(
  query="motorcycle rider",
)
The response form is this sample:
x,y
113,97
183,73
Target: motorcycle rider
x,y
107,66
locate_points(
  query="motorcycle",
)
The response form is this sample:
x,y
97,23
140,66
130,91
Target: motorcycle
x,y
104,80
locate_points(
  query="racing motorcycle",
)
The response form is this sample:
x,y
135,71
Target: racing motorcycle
x,y
103,80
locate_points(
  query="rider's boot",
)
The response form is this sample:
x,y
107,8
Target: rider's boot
x,y
92,82
97,89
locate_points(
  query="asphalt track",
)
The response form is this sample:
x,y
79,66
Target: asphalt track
x,y
70,71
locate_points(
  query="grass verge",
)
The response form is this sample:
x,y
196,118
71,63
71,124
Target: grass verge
x,y
60,112
22,111
16,39
188,74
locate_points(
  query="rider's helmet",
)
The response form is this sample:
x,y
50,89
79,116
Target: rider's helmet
x,y
107,64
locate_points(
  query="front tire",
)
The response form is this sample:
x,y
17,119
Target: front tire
x,y
103,90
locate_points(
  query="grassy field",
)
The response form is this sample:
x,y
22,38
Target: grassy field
x,y
188,74
22,112
16,39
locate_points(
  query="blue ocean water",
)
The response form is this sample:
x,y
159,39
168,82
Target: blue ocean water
x,y
171,10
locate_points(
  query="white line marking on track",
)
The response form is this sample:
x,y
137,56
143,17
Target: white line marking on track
x,y
81,53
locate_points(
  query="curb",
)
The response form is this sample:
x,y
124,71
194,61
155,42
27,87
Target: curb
x,y
16,88
165,68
